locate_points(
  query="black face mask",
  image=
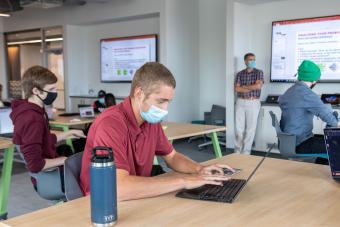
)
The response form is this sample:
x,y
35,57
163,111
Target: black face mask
x,y
51,96
312,86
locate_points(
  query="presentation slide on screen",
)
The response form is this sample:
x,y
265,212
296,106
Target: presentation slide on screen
x,y
120,58
316,39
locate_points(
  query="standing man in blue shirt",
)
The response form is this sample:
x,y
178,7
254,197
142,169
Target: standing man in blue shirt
x,y
299,105
248,84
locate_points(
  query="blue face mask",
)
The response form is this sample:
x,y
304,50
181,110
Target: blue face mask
x,y
154,114
251,64
102,100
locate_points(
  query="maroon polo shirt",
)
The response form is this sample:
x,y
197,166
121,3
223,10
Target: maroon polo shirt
x,y
133,146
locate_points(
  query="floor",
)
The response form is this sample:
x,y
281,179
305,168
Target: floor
x,y
23,199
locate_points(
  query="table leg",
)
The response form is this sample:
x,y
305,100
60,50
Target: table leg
x,y
6,181
216,144
155,160
65,128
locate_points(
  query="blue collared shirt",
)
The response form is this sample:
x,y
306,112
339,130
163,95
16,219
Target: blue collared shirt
x,y
299,105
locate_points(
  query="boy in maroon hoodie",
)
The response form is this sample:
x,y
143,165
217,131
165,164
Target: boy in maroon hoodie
x,y
31,128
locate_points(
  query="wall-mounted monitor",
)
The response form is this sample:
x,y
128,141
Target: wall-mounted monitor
x,y
121,57
316,39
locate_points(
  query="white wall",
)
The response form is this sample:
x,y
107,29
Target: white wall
x,y
243,20
212,55
181,44
74,58
230,72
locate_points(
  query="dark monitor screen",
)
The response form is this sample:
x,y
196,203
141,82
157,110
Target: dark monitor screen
x,y
333,99
332,137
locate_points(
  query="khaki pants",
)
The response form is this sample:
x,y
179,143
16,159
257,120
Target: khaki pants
x,y
246,114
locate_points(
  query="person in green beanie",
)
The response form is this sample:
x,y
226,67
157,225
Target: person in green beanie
x,y
299,105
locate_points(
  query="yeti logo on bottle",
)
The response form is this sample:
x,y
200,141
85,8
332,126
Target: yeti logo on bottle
x,y
110,218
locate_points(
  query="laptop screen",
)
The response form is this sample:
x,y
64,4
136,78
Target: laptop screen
x,y
333,99
6,125
86,112
332,139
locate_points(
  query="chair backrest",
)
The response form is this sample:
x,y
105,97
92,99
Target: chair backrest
x,y
275,122
218,115
286,141
287,144
207,118
72,170
49,184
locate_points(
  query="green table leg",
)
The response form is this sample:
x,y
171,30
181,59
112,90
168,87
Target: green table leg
x,y
6,181
216,145
155,160
65,128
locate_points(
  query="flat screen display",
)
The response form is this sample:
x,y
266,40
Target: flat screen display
x,y
316,39
121,57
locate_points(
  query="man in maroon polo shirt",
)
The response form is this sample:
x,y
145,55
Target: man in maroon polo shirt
x,y
133,131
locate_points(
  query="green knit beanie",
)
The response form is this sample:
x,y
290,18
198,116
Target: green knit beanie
x,y
309,71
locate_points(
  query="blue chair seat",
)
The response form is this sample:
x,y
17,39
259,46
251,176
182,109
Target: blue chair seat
x,y
319,155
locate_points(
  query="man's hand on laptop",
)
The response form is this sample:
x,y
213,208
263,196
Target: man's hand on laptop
x,y
76,133
198,180
216,169
71,134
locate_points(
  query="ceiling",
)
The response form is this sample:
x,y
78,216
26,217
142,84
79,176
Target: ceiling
x,y
7,6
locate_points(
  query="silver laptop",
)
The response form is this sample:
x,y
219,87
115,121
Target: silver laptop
x,y
86,112
6,124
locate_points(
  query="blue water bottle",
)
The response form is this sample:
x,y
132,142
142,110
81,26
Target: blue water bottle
x,y
103,189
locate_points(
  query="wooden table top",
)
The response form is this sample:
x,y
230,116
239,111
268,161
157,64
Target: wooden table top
x,y
5,143
281,193
71,120
174,130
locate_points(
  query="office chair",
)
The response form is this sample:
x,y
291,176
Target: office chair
x,y
48,181
215,117
72,169
287,142
200,122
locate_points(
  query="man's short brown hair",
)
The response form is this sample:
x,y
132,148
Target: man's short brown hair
x,y
38,77
150,76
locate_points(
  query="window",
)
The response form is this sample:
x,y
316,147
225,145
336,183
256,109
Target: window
x,y
42,47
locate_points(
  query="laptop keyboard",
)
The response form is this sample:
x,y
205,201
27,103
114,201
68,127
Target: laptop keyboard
x,y
225,193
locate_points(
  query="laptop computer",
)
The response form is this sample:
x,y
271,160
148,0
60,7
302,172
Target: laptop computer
x,y
227,193
6,124
333,99
332,140
86,112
